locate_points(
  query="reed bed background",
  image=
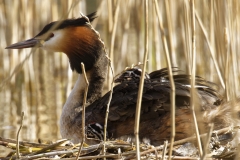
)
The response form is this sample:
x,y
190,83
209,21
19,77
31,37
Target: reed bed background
x,y
38,82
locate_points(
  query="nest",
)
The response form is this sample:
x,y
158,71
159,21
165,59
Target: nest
x,y
221,146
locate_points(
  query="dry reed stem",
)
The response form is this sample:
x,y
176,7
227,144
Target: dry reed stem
x,y
49,154
107,110
172,84
141,83
110,70
113,35
108,105
83,109
164,150
193,76
49,147
23,143
171,35
206,147
210,49
18,133
156,42
110,16
97,157
227,65
187,34
232,44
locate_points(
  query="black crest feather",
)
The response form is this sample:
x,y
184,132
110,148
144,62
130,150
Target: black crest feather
x,y
66,23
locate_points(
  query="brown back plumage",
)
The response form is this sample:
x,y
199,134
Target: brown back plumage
x,y
155,117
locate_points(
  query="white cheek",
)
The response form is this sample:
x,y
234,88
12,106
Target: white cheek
x,y
54,43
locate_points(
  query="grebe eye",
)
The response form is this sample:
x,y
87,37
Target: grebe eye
x,y
50,36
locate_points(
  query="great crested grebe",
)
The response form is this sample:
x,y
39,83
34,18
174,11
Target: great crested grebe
x,y
81,43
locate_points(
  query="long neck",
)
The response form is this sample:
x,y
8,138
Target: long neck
x,y
96,77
